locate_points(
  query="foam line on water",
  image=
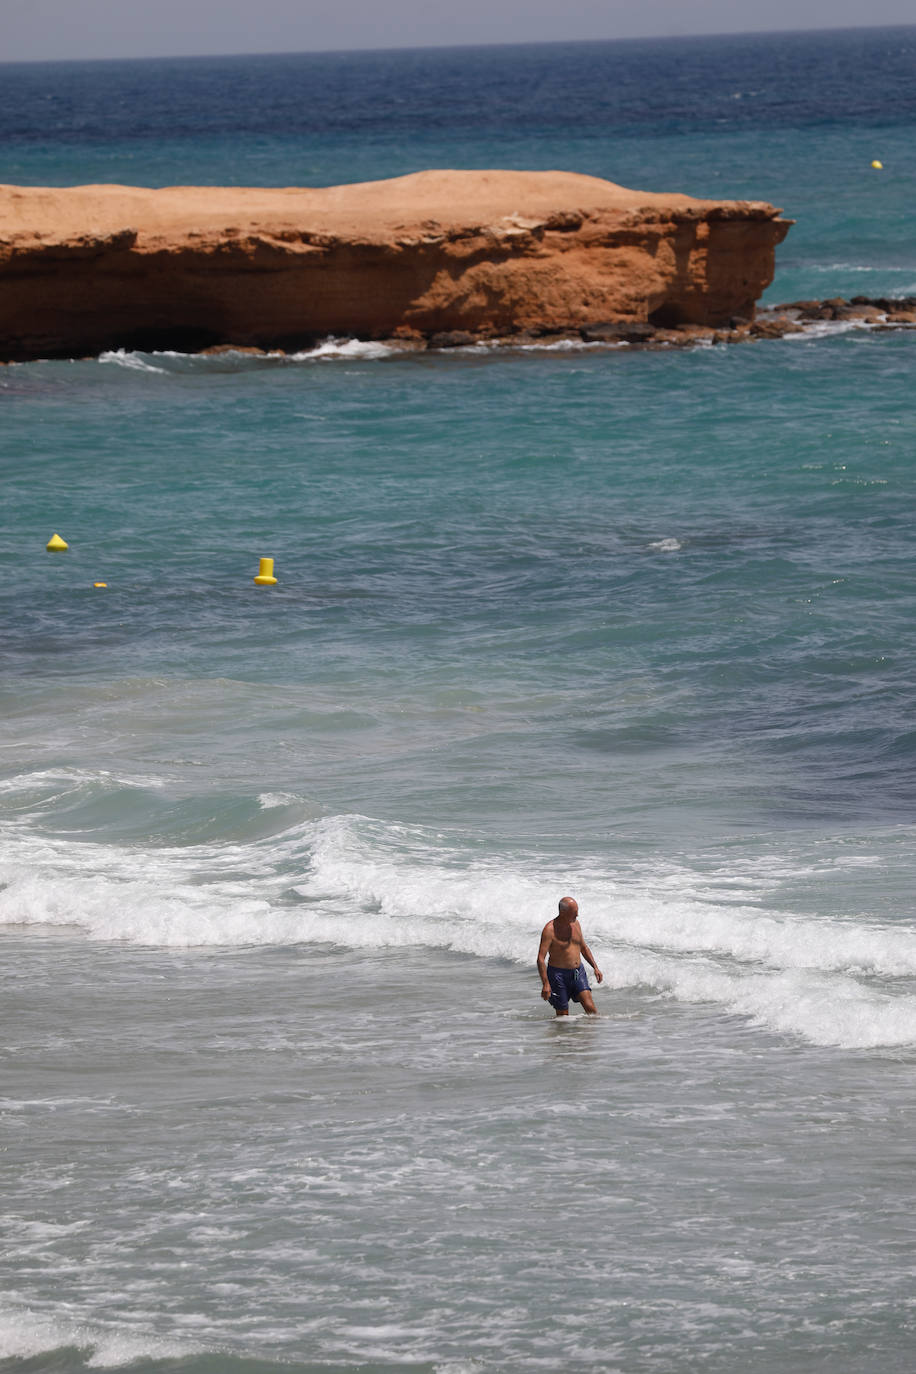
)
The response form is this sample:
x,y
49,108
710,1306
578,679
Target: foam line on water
x,y
27,1335
331,348
385,886
57,782
900,269
346,861
134,362
166,361
823,1009
828,329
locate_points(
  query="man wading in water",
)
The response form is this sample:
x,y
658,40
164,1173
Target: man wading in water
x,y
563,943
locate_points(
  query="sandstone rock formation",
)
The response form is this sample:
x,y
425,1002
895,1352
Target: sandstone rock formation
x,y
471,254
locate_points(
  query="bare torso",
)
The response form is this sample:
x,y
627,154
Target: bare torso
x,y
565,943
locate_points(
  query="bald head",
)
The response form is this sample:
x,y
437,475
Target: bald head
x,y
569,908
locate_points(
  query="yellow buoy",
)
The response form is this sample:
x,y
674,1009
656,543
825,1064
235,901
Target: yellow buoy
x,y
100,584
878,166
56,545
265,577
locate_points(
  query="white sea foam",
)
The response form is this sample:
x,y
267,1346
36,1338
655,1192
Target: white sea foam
x,y
669,545
269,801
859,267
135,362
328,350
564,346
59,781
25,1334
352,349
696,939
828,329
229,353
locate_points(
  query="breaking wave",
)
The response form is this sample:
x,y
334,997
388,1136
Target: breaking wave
x,y
287,873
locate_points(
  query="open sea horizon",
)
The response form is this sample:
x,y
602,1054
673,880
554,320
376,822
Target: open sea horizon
x,y
278,1087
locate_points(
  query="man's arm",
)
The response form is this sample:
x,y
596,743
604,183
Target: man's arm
x,y
587,956
546,936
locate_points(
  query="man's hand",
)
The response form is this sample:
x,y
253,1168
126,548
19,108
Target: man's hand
x,y
599,976
545,992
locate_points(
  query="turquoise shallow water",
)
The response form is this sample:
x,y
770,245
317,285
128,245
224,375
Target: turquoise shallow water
x,y
582,562
278,1087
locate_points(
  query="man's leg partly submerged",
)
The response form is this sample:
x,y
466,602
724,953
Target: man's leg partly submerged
x,y
583,995
559,996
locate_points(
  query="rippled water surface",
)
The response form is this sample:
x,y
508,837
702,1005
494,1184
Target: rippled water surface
x,y
278,1086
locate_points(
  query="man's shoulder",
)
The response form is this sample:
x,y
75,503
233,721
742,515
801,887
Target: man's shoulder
x,y
548,929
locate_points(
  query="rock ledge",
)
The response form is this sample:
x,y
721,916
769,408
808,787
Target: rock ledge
x,y
433,257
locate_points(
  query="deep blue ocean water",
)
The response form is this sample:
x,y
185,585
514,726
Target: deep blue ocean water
x,y
278,1087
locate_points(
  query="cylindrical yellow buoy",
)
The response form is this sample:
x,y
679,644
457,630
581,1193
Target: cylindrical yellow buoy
x,y
878,166
265,577
100,584
56,545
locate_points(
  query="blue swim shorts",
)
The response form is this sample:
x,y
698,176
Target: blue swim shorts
x,y
566,983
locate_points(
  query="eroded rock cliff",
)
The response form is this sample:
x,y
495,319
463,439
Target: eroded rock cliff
x,y
488,254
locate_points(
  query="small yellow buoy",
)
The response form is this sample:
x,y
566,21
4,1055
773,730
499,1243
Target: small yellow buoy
x,y
100,584
265,577
878,166
56,545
